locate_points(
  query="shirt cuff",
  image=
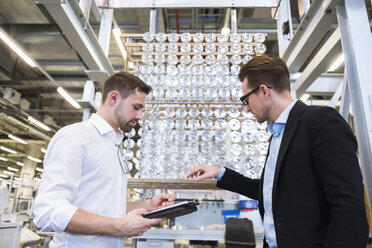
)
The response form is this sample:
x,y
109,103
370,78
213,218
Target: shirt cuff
x,y
61,216
222,171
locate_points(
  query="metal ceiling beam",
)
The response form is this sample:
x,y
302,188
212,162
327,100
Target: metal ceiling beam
x,y
71,20
311,30
320,63
188,4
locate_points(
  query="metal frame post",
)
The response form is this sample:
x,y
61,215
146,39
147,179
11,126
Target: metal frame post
x,y
356,41
152,21
234,24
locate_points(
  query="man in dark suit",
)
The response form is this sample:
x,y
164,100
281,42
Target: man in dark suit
x,y
311,191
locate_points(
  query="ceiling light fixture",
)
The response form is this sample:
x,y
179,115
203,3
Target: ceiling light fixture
x,y
3,159
117,34
3,176
39,169
34,159
20,164
38,123
337,63
7,150
11,136
8,173
68,98
43,150
12,169
16,48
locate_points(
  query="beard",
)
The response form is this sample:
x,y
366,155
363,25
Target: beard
x,y
264,115
123,124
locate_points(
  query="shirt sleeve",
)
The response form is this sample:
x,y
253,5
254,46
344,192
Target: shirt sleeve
x,y
53,208
220,175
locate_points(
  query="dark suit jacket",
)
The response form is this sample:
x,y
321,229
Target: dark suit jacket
x,y
317,195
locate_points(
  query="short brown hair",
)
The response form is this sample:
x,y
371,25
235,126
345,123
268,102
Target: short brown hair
x,y
268,70
125,83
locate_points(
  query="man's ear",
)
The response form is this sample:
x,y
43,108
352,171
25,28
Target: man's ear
x,y
113,98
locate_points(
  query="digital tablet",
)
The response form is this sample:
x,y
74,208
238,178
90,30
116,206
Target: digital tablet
x,y
175,210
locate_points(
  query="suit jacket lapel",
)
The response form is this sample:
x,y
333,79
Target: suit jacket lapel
x,y
289,131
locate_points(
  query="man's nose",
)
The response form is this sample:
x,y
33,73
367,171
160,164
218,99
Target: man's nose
x,y
139,115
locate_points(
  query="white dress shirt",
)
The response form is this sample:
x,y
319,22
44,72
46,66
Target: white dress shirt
x,y
277,129
81,170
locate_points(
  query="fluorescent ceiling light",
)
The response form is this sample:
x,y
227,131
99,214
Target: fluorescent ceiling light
x,y
3,159
37,179
7,150
12,169
225,31
68,98
43,150
8,172
17,178
39,169
11,136
117,34
38,123
16,48
337,63
304,97
34,159
20,164
3,176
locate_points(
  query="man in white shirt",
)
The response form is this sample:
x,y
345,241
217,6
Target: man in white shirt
x,y
82,195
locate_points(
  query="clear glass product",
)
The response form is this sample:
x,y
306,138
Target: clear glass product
x,y
181,113
197,59
158,93
220,137
185,48
160,58
160,48
210,48
172,70
262,125
184,94
146,58
171,94
148,37
224,93
220,113
206,124
235,69
235,137
250,150
210,38
168,124
235,38
159,69
169,112
234,124
197,48
223,49
186,37
247,38
193,137
236,93
173,48
236,59
249,163
223,59
161,37
198,37
222,38
234,112
259,37
248,137
210,59
147,47
172,59
173,38
128,143
194,113
262,136
193,124
220,124
185,59
206,112
197,93
206,136
260,48
236,48
235,149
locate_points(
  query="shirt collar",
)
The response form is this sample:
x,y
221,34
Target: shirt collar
x,y
104,128
275,128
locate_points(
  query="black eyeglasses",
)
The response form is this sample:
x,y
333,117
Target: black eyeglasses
x,y
123,162
245,99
